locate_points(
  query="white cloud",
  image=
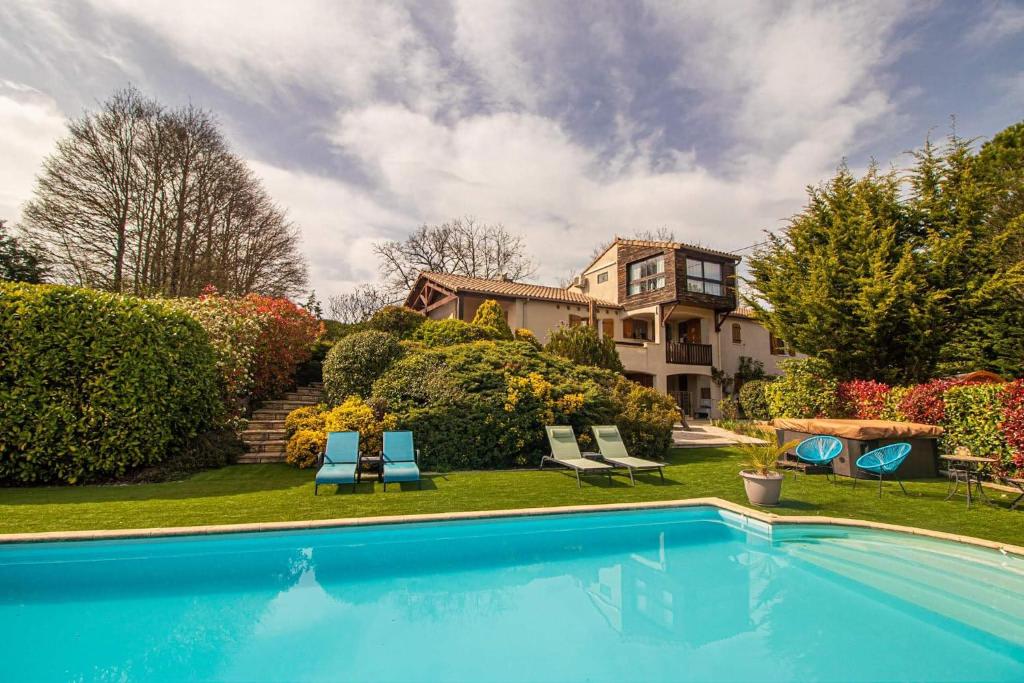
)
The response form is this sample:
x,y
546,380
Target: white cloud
x,y
997,21
264,48
29,126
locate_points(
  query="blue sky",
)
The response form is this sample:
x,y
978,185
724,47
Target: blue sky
x,y
568,122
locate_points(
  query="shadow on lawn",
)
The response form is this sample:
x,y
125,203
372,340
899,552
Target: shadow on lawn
x,y
232,480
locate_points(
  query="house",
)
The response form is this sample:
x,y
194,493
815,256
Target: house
x,y
670,307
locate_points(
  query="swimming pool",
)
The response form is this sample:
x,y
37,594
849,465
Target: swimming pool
x,y
684,594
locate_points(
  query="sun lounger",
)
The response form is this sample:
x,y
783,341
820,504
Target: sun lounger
x,y
613,452
399,459
340,460
566,452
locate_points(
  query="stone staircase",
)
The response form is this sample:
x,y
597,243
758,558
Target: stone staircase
x,y
264,435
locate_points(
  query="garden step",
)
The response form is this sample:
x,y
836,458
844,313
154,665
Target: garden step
x,y
302,396
270,414
273,446
255,458
256,425
256,435
286,405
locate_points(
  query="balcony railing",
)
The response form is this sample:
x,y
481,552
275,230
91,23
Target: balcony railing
x,y
687,353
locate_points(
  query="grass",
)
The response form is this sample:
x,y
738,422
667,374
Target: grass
x,y
265,493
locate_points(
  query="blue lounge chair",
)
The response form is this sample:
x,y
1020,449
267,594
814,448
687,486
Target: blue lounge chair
x,y
820,451
400,459
340,460
884,461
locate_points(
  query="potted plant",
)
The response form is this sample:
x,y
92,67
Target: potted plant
x,y
761,478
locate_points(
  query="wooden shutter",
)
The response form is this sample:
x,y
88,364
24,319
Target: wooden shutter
x,y
627,328
608,327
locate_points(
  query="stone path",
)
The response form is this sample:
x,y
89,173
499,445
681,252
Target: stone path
x,y
706,435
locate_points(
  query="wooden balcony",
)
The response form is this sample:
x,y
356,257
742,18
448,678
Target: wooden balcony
x,y
687,353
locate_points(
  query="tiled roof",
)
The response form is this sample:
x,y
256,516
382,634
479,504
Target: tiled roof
x,y
522,290
744,312
675,245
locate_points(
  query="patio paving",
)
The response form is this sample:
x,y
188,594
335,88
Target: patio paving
x,y
703,434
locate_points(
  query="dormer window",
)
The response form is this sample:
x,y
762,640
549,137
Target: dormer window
x,y
704,277
647,275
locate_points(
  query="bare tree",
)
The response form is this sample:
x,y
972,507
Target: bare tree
x,y
141,199
461,246
359,304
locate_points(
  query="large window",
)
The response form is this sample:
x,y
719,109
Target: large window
x,y
704,277
647,275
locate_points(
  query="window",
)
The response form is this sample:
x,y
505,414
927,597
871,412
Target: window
x,y
602,277
646,276
777,346
577,320
634,329
704,277
737,334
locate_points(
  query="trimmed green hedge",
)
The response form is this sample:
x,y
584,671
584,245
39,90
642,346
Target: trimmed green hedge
x,y
353,363
437,333
93,384
754,400
974,414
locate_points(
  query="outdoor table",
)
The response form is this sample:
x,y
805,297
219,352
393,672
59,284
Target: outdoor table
x,y
373,463
969,468
1019,484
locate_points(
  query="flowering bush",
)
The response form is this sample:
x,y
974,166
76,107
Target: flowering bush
x,y
304,448
287,333
524,335
806,389
863,399
1012,425
891,406
924,403
311,425
306,417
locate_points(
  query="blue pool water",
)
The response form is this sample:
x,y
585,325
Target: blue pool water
x,y
663,595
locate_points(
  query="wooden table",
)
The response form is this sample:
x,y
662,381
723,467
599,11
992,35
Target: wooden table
x,y
964,468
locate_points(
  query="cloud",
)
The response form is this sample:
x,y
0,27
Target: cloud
x,y
997,21
29,126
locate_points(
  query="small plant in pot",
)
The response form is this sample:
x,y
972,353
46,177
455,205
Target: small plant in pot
x,y
761,478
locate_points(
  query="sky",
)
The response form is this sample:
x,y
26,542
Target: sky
x,y
567,122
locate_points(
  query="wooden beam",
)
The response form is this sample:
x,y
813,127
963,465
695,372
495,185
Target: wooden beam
x,y
440,302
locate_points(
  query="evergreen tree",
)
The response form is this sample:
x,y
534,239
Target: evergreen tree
x,y
843,282
491,317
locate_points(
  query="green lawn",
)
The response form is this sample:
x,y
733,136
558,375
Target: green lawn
x,y
264,493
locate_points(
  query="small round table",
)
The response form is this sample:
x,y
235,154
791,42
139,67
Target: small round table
x,y
965,468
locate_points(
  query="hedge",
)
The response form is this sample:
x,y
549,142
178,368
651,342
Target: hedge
x,y
584,345
437,333
863,399
397,320
93,384
973,414
806,389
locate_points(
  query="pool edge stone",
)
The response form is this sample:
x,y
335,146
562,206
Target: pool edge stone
x,y
768,519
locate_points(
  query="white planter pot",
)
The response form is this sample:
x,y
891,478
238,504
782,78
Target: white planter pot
x,y
762,490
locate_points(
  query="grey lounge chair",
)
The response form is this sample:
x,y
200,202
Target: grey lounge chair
x,y
613,451
566,452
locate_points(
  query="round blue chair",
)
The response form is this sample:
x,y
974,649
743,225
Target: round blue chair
x,y
820,451
884,461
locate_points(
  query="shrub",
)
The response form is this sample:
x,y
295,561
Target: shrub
x,y
807,389
524,335
334,330
209,450
397,320
93,385
485,404
490,316
753,399
306,417
891,407
924,403
863,399
312,370
355,415
645,418
304,448
582,344
353,363
233,333
729,408
435,333
973,414
1012,425
287,333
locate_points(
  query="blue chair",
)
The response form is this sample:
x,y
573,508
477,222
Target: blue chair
x,y
340,460
884,461
820,451
399,459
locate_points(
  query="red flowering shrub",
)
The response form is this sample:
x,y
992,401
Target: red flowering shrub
x,y
1012,425
863,399
924,403
286,338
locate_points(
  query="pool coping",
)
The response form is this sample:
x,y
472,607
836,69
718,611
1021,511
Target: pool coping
x,y
768,518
